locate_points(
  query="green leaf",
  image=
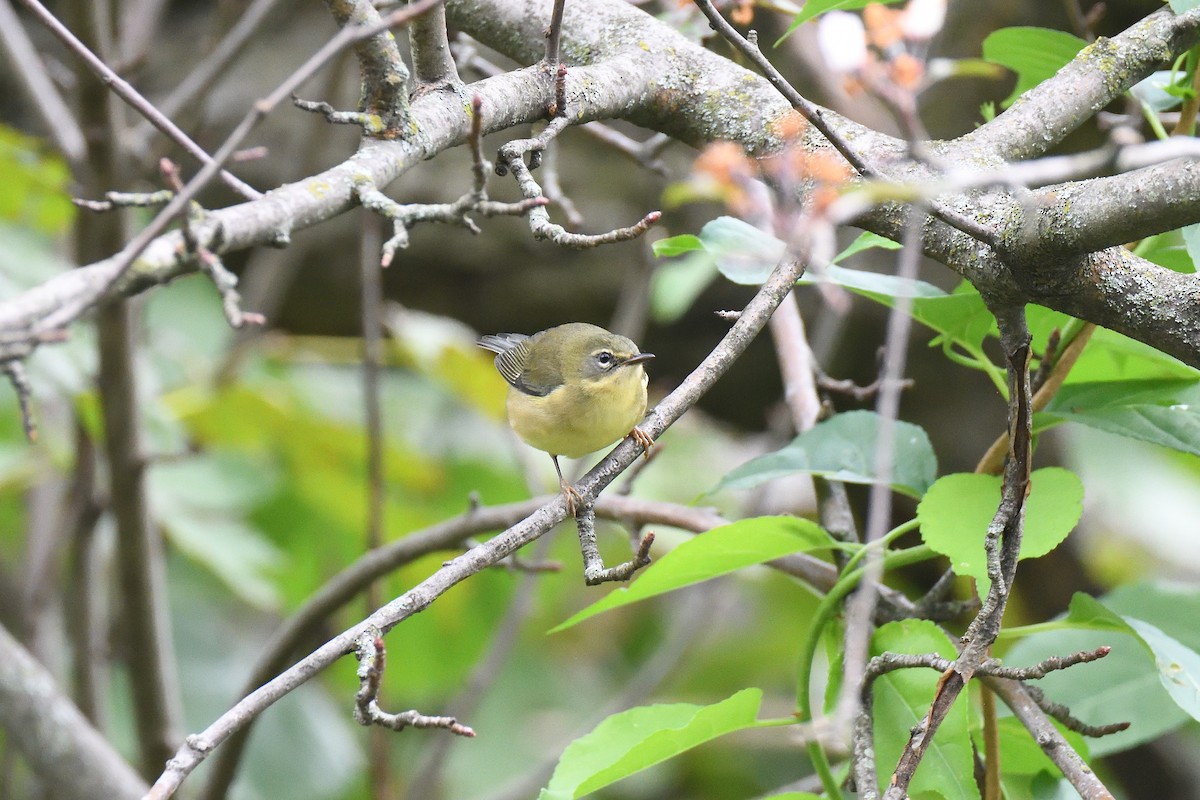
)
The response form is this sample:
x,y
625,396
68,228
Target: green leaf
x,y
901,701
676,285
1155,686
956,511
1191,242
1154,91
1021,755
677,245
879,286
1111,356
1085,611
866,241
1178,665
843,448
815,8
717,552
27,259
1162,412
34,190
1172,249
1172,607
1035,54
1123,686
1180,6
633,740
746,255
743,253
200,503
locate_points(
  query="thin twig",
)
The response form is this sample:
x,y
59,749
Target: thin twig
x,y
754,317
646,153
993,460
371,294
130,95
1064,715
861,607
15,370
1002,543
115,267
554,35
371,655
815,115
40,90
594,571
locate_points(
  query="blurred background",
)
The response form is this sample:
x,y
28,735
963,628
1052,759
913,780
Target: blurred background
x,y
256,445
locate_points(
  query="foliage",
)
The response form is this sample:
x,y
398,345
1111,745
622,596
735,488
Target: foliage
x,y
257,476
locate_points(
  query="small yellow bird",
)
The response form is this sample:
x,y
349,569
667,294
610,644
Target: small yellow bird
x,y
573,389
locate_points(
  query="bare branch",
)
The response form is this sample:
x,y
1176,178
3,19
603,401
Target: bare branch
x,y
126,92
347,584
372,124
433,65
1102,72
511,158
151,654
94,287
202,77
371,655
57,118
53,733
753,319
1002,543
594,571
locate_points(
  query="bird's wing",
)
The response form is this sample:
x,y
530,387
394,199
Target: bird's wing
x,y
501,342
512,350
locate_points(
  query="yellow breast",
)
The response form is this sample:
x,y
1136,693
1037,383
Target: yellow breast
x,y
581,417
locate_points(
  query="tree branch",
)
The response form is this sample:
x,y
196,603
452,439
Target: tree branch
x,y
614,84
752,320
126,92
1102,72
54,738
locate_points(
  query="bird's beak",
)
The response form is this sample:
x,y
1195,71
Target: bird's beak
x,y
637,359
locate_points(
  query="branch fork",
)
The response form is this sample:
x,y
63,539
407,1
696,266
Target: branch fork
x,y
372,658
594,571
404,216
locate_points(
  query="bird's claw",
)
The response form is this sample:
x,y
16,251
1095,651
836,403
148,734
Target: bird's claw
x,y
574,498
639,436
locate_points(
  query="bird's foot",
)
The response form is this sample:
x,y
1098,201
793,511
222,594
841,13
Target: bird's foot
x,y
639,436
574,498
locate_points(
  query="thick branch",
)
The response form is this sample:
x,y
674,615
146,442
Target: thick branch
x,y
636,70
1102,72
54,738
1083,217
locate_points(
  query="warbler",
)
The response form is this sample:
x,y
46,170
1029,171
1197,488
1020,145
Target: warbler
x,y
573,389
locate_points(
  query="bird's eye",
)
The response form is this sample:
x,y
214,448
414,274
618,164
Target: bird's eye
x,y
605,359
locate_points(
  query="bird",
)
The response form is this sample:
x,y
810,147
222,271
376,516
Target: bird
x,y
573,389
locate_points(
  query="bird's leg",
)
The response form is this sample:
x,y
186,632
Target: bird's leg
x,y
644,439
574,498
